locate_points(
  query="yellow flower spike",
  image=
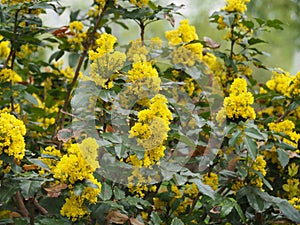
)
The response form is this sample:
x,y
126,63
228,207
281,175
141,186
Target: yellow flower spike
x,y
237,104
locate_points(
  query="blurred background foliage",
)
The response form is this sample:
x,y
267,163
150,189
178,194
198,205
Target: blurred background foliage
x,y
282,47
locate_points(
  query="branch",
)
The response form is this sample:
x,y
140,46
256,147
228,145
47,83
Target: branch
x,y
286,113
87,45
39,207
20,201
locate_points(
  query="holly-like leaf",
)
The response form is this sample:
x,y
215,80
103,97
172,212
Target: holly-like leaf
x,y
106,192
177,221
30,187
251,146
283,157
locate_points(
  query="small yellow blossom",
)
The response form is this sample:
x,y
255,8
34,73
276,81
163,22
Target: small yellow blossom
x,y
4,48
211,179
236,5
139,3
7,75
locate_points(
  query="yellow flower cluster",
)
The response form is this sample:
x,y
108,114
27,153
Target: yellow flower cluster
x,y
97,9
211,179
4,48
280,82
236,5
139,3
176,191
187,54
237,104
68,72
51,161
294,88
74,166
295,202
105,61
151,131
191,190
7,75
152,128
12,2
137,52
258,165
104,44
143,82
26,50
46,120
184,34
12,131
287,127
78,34
78,165
8,109
237,185
137,182
292,186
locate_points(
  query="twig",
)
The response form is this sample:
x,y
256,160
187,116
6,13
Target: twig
x,y
87,45
194,203
20,201
285,114
70,114
39,207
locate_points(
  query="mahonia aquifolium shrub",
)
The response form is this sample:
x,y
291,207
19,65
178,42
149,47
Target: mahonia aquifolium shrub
x,y
173,131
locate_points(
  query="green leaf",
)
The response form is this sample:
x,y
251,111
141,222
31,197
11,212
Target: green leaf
x,y
7,192
251,146
29,98
106,192
248,24
39,163
113,138
227,207
254,133
229,128
284,206
73,59
203,188
240,212
253,41
234,138
30,187
79,189
56,55
275,24
283,157
177,221
137,202
289,211
118,193
255,201
6,221
155,219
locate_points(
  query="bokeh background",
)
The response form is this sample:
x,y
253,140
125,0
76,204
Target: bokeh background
x,y
282,47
